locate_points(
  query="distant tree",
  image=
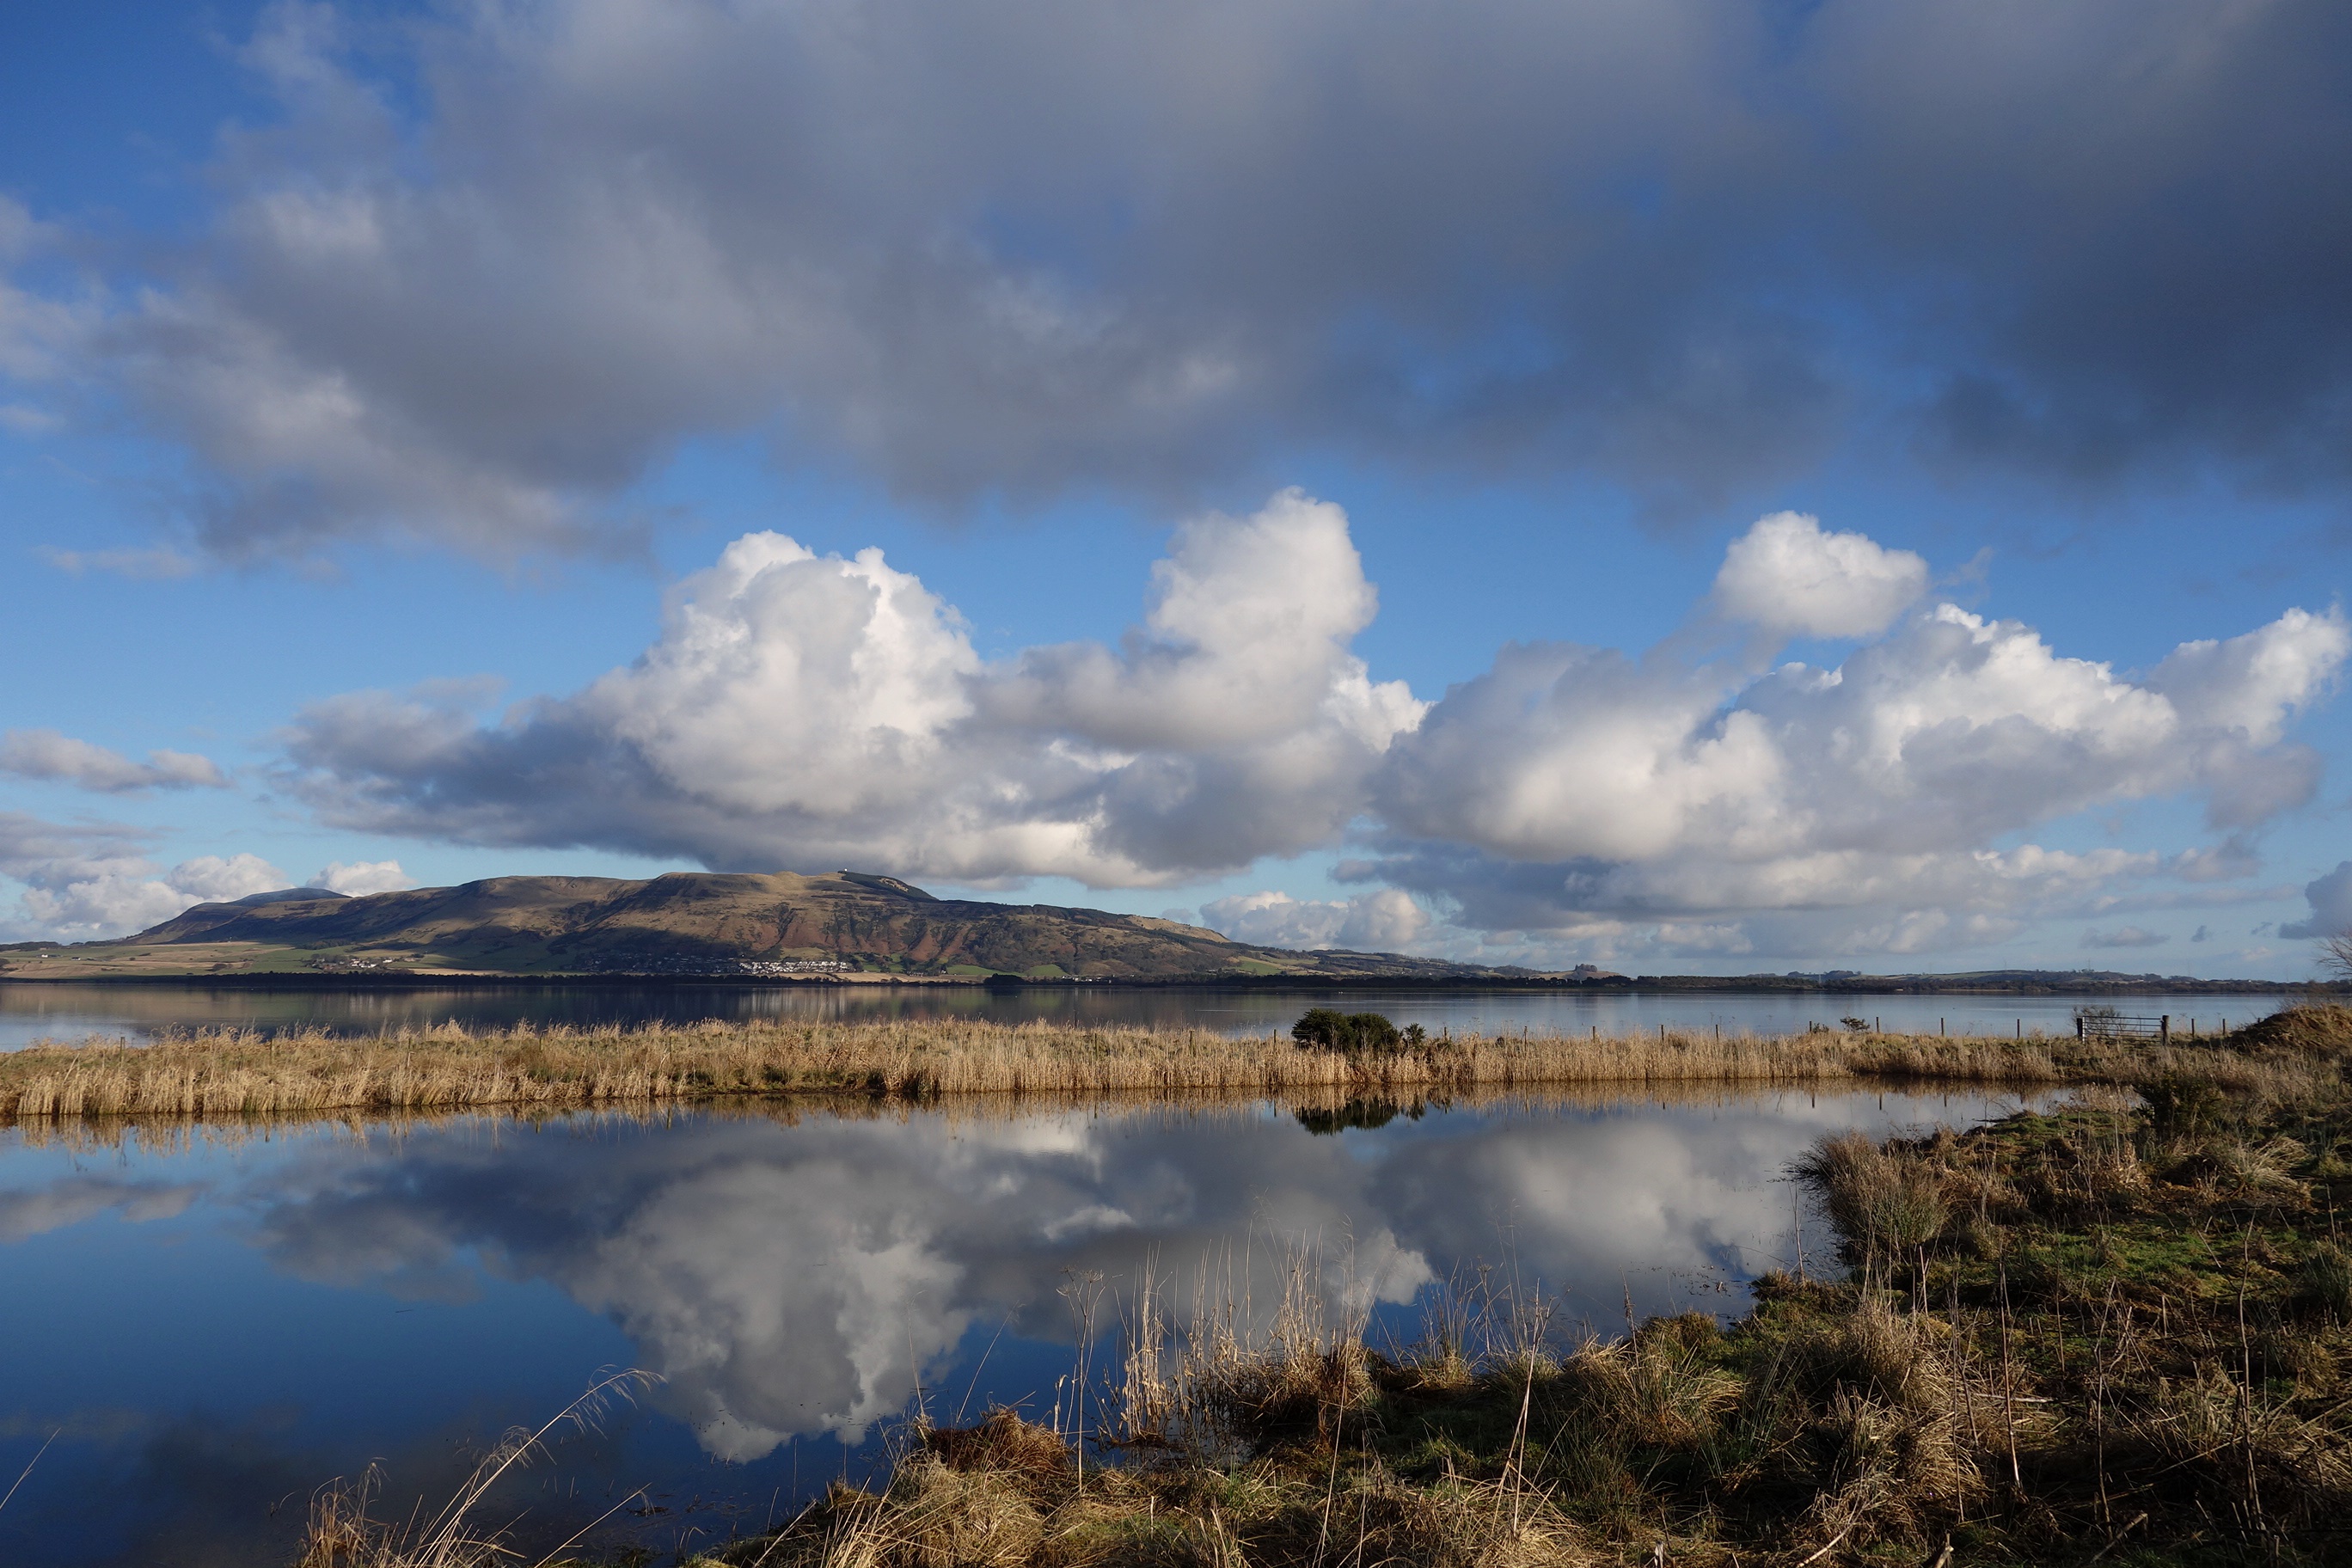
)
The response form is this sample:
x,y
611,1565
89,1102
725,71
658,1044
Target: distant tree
x,y
2336,957
1328,1029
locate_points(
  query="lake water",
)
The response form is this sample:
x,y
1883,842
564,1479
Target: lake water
x,y
205,1327
29,1012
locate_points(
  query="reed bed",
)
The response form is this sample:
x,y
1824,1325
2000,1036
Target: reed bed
x,y
230,1074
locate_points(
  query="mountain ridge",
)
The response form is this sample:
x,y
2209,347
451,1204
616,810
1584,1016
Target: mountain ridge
x,y
779,923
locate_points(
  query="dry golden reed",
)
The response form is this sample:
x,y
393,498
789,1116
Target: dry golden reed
x,y
227,1074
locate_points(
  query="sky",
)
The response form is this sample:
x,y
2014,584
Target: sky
x,y
1686,487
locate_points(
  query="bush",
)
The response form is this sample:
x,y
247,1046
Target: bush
x,y
2182,1105
1328,1029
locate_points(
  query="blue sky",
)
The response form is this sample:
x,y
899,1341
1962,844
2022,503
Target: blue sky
x,y
1268,416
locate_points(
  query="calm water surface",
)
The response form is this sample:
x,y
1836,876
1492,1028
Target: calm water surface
x,y
212,1325
32,1011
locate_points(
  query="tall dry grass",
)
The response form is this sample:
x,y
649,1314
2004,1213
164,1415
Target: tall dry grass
x,y
224,1074
344,1533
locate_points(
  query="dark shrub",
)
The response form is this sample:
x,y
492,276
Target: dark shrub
x,y
1328,1029
1321,1028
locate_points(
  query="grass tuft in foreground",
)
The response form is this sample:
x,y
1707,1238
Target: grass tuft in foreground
x,y
343,1533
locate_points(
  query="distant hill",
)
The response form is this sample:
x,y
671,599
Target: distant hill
x,y
842,924
717,924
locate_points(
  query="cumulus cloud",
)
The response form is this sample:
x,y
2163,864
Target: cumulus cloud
x,y
810,710
1577,781
480,273
1786,575
814,711
46,755
92,880
1385,920
360,878
2330,898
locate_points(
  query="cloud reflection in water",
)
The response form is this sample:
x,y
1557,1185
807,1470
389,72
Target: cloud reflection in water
x,y
800,1276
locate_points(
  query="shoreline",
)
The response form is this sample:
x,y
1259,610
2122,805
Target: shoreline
x,y
238,1075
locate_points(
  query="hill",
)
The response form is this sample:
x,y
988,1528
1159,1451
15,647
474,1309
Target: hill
x,y
692,924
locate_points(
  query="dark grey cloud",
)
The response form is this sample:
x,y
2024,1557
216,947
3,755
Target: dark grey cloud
x,y
1004,251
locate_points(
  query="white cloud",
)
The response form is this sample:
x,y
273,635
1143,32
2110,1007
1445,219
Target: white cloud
x,y
810,710
360,878
2330,898
1785,576
93,880
1386,921
1577,779
45,754
214,879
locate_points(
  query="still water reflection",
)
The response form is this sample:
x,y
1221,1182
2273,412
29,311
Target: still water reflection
x,y
29,1012
213,1326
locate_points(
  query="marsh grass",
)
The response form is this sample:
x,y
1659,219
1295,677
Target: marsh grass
x,y
215,1074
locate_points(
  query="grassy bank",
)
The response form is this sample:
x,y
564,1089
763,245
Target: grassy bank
x,y
225,1075
2120,1332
